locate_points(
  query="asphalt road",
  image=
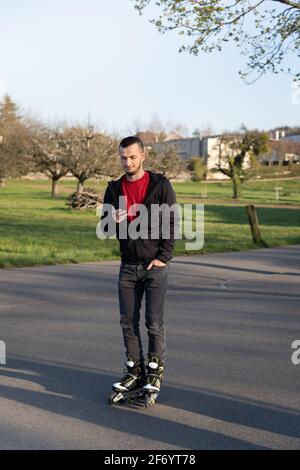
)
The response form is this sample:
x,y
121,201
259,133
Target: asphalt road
x,y
229,384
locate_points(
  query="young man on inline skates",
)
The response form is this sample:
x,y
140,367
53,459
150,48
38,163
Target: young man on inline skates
x,y
144,269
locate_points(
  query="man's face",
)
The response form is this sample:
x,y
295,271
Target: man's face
x,y
132,158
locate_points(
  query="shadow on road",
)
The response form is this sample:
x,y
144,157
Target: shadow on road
x,y
82,394
273,258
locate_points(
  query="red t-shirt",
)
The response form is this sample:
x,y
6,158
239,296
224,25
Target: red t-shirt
x,y
135,191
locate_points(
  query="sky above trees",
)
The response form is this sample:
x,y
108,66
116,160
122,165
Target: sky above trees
x,y
68,58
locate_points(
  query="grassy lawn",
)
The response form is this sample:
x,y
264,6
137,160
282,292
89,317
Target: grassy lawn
x,y
38,229
258,192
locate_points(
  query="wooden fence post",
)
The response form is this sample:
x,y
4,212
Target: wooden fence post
x,y
254,225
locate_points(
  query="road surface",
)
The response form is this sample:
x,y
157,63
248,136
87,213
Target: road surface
x,y
230,382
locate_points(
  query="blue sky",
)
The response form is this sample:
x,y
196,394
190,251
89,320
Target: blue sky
x,y
64,59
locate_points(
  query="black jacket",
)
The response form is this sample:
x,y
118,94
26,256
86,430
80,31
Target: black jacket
x,y
142,251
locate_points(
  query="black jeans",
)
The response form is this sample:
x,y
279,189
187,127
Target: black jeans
x,y
134,280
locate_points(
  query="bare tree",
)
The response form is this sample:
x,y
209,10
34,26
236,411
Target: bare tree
x,y
90,153
157,126
49,149
168,163
136,127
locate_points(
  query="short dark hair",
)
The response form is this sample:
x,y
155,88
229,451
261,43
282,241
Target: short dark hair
x,y
130,140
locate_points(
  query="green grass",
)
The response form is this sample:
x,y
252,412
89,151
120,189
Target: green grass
x,y
38,229
258,192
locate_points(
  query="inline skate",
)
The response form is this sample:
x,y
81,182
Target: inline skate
x,y
153,381
130,386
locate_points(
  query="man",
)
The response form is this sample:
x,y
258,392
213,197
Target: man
x,y
144,266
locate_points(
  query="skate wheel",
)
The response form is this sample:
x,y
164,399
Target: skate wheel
x,y
150,400
115,398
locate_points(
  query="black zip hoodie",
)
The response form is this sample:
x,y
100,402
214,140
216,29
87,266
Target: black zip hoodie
x,y
143,251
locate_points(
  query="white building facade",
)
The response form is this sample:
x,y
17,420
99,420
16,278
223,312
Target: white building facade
x,y
207,148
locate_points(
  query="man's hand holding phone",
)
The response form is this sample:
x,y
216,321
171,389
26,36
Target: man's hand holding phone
x,y
119,215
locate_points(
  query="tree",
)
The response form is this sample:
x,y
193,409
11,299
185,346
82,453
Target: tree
x,y
9,111
157,127
89,153
237,156
267,32
198,168
197,133
49,149
167,163
14,141
203,132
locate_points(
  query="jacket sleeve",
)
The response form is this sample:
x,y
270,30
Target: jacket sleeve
x,y
166,245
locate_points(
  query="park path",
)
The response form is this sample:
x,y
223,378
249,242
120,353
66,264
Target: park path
x,y
230,383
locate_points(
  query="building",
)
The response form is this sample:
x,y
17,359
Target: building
x,y
293,138
283,152
195,147
285,149
185,148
